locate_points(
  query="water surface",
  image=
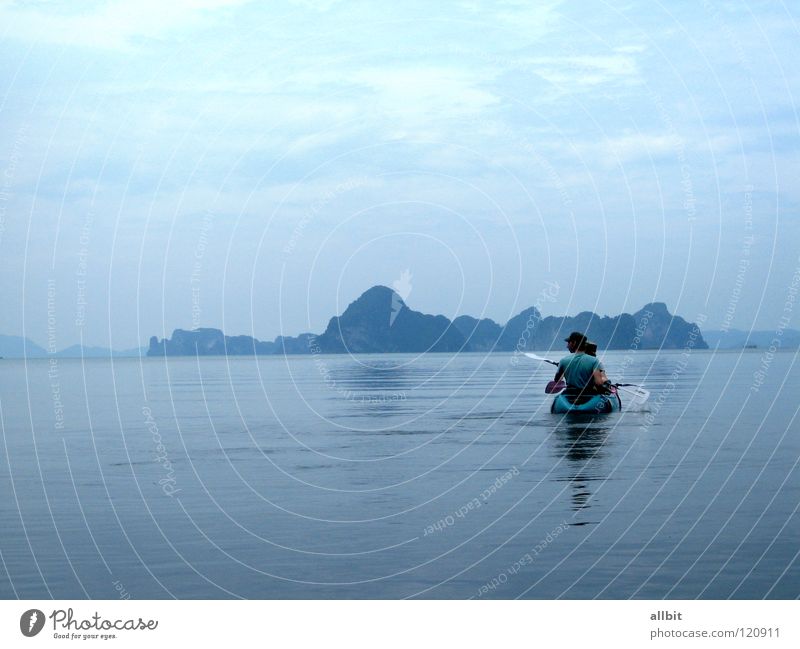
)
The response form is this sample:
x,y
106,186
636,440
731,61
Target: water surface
x,y
393,476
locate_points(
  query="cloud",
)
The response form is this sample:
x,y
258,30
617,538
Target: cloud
x,y
117,25
585,70
630,49
414,96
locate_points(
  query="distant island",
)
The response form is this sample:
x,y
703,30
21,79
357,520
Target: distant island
x,y
21,347
756,339
379,321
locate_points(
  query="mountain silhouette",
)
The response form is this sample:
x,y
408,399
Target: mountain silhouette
x,y
379,321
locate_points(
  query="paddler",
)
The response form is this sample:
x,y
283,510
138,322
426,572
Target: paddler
x,y
591,349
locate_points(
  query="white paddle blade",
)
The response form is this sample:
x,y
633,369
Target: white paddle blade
x,y
636,396
539,358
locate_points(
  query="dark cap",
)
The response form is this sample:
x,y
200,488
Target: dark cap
x,y
576,337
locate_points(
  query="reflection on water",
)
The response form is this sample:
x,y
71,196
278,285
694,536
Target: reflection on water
x,y
374,388
581,444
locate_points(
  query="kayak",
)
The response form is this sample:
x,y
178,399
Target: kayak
x,y
595,404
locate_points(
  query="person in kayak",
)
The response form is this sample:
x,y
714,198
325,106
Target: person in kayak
x,y
583,373
607,388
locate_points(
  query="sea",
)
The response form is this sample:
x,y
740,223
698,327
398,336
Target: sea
x,y
432,476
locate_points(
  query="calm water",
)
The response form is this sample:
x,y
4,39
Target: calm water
x,y
391,476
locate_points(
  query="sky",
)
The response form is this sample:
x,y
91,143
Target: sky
x,y
256,166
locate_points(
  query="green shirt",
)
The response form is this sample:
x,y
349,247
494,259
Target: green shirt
x,y
578,369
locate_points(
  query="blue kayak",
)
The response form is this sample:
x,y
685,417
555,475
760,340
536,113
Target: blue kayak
x,y
596,404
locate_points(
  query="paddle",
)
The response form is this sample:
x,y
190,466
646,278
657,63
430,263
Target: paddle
x,y
539,358
639,393
552,387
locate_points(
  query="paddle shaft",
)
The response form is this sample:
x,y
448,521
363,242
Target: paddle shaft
x,y
640,391
539,358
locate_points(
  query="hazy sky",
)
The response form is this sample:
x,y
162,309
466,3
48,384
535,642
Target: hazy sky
x,y
256,166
